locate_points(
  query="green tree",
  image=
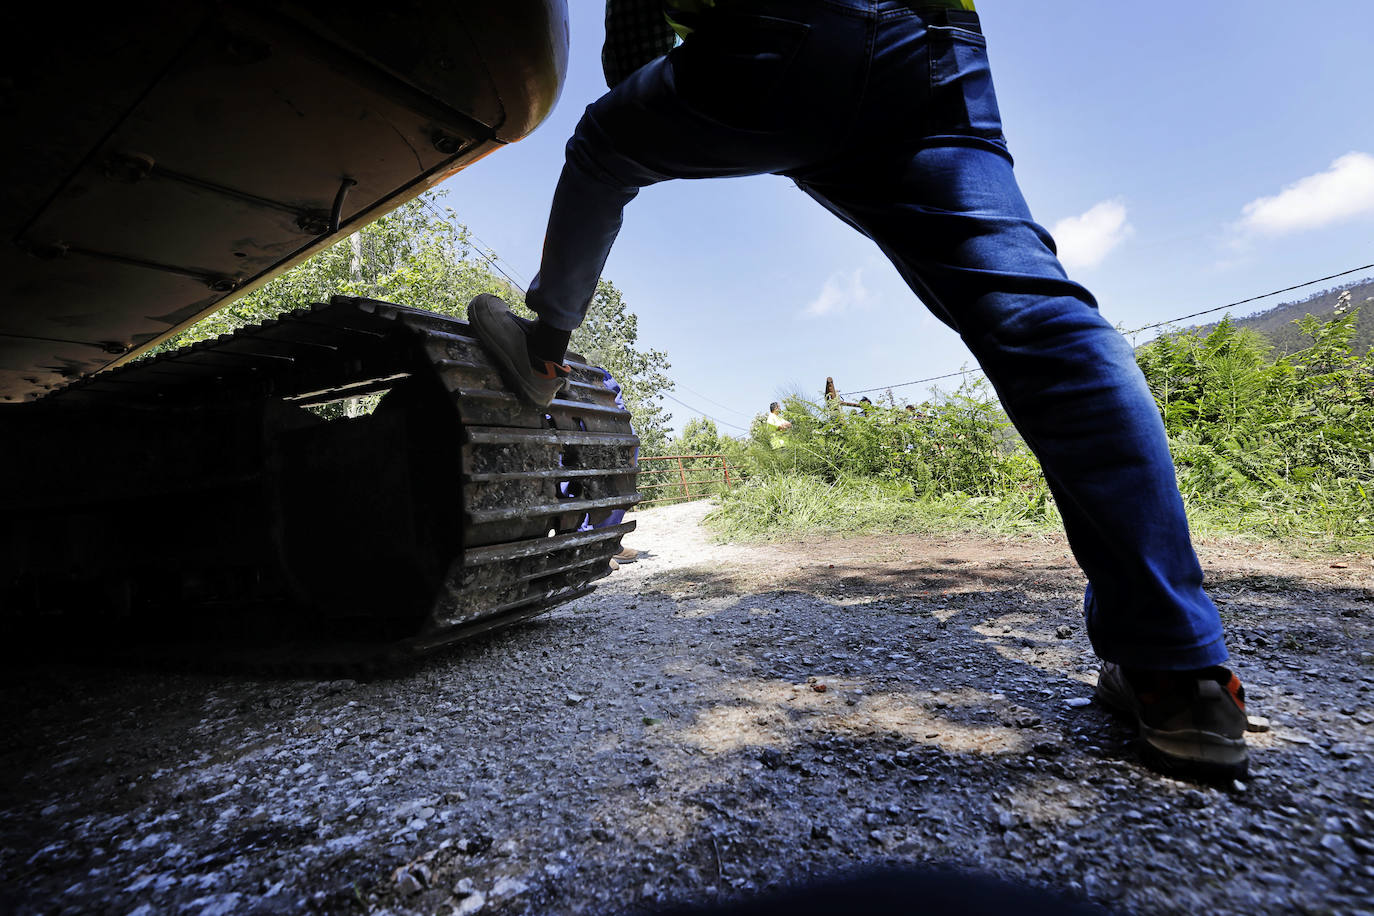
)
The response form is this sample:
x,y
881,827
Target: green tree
x,y
412,256
699,437
419,255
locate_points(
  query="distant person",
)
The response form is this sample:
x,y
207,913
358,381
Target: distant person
x,y
775,417
884,112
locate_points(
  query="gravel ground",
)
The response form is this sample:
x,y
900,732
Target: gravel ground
x,y
714,720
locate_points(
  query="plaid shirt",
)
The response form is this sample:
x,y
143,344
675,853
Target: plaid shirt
x,y
638,31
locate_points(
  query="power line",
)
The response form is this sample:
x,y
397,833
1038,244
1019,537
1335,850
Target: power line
x,y
933,378
1159,324
1286,289
520,282
481,253
702,412
709,401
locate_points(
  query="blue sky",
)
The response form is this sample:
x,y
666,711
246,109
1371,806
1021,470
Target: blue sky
x,y
1184,156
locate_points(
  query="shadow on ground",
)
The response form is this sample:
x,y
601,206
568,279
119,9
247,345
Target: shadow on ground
x,y
708,733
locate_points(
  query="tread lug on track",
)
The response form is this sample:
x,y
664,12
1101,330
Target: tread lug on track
x,y
191,499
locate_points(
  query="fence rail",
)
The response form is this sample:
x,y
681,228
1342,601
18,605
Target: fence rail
x,y
686,477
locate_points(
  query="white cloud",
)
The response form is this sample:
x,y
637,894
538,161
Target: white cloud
x,y
842,292
1085,240
1344,190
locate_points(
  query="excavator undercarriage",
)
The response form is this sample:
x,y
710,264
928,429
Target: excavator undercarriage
x,y
224,508
165,158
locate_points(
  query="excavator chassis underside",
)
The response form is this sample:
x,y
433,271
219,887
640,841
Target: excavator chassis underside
x,y
196,499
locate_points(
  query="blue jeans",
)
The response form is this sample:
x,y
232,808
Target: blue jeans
x,y
886,116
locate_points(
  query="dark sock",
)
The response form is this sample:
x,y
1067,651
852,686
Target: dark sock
x,y
547,344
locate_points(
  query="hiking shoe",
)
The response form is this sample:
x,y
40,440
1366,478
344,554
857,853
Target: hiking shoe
x,y
614,565
1191,722
628,555
505,338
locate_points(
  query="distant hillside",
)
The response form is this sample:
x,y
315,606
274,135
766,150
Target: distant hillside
x,y
1277,323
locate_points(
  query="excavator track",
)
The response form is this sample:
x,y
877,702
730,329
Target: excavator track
x,y
194,506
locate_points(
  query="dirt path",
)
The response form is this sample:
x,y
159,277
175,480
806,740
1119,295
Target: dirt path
x,y
713,720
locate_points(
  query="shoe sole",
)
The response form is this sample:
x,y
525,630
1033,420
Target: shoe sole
x,y
1200,754
487,330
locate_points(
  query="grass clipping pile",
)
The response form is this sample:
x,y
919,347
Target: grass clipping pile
x,y
716,719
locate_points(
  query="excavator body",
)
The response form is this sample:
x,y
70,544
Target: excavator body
x,y
166,158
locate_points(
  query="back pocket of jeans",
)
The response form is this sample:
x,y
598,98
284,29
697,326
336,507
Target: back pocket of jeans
x,y
734,69
962,100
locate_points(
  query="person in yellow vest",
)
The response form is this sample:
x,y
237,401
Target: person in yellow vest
x,y
779,423
884,112
775,417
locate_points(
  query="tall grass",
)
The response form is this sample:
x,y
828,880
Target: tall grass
x,y
1277,449
786,505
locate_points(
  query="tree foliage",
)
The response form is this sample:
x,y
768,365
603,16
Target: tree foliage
x,y
699,437
419,255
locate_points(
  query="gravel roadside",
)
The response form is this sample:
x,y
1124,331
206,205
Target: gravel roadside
x,y
715,719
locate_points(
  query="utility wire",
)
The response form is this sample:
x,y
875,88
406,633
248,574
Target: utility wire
x,y
1158,324
702,412
1286,289
709,401
933,378
482,253
520,281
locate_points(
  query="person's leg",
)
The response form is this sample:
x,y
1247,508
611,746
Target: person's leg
x,y
636,135
947,211
953,222
748,93
944,206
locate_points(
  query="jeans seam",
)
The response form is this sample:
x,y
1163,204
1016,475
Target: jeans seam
x,y
844,9
871,34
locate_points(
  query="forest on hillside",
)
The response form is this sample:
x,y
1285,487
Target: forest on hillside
x,y
1278,325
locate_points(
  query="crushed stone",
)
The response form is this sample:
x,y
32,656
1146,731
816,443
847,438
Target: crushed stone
x,y
714,720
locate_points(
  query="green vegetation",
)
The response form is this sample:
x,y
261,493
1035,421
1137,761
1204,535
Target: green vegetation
x,y
419,256
950,463
790,504
1278,448
1270,439
1281,448
1280,324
